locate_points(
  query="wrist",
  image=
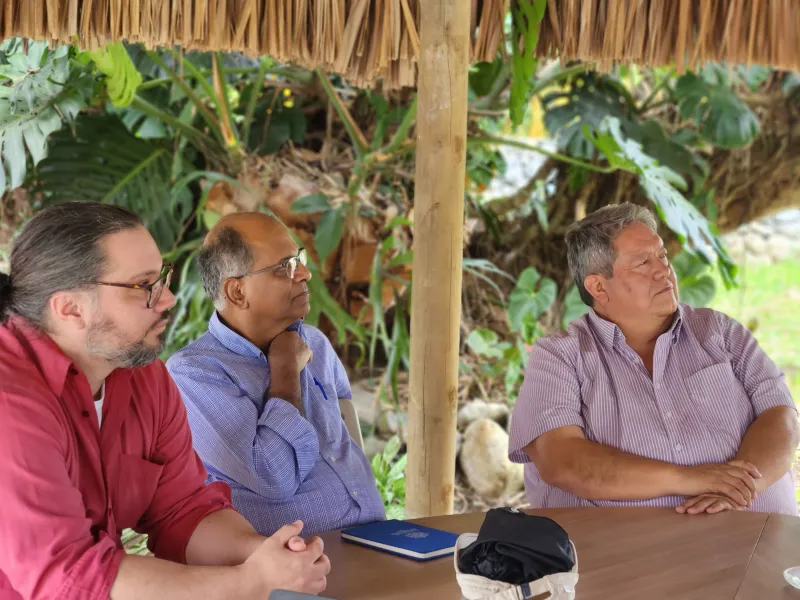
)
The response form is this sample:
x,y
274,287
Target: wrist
x,y
678,480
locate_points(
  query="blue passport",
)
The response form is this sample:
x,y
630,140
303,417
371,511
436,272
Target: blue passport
x,y
403,538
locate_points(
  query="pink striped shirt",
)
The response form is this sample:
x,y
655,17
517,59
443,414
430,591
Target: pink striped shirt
x,y
710,382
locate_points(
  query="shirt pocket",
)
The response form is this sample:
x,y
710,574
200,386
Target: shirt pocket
x,y
720,401
137,483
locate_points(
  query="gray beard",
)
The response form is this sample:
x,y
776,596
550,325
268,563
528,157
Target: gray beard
x,y
103,341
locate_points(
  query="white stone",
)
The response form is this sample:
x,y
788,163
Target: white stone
x,y
755,244
484,461
480,409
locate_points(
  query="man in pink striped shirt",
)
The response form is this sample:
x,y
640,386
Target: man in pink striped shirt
x,y
645,401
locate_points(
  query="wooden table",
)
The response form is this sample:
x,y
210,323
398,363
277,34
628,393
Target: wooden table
x,y
623,553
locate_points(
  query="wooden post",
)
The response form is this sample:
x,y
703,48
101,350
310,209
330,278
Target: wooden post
x,y
438,242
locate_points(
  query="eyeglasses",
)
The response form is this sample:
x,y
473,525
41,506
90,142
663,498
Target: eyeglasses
x,y
154,290
290,264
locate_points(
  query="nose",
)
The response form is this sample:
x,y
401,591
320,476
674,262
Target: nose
x,y
166,302
662,270
303,273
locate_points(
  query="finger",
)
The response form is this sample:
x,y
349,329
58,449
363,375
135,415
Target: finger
x,y
688,503
701,505
315,549
747,466
296,544
287,532
719,506
745,477
317,587
736,490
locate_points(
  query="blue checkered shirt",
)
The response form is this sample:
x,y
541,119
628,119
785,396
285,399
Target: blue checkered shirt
x,y
280,465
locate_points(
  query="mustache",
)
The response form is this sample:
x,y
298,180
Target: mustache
x,y
166,317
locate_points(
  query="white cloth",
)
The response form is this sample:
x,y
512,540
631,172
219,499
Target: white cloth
x,y
98,404
474,587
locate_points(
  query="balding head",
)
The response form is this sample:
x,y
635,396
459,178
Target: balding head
x,y
228,249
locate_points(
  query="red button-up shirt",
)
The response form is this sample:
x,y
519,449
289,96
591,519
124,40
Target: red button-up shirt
x,y
68,487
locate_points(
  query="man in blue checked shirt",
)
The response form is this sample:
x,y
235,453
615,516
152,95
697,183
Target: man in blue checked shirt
x,y
262,390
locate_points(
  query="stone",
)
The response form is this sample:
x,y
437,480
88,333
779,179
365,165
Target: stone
x,y
484,461
391,423
755,244
480,409
782,247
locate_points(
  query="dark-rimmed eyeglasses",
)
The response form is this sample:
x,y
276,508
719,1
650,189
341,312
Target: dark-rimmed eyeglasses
x,y
289,264
154,290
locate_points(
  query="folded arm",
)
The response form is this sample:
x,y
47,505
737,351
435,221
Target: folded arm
x,y
270,453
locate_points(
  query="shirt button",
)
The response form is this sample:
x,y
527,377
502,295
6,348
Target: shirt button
x,y
333,458
668,414
355,492
85,413
678,447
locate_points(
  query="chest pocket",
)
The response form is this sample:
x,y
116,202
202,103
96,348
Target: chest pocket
x,y
136,485
720,400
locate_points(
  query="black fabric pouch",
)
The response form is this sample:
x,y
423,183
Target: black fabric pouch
x,y
517,548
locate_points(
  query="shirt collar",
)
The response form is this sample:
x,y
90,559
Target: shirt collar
x,y
53,364
609,332
239,344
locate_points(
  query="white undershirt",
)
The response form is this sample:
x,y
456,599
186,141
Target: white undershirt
x,y
98,404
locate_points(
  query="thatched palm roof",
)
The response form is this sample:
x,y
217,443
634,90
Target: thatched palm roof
x,y
369,39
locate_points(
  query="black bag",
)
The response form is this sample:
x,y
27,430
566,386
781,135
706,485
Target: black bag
x,y
517,548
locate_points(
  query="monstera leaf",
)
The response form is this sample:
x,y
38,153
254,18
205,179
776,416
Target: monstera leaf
x,y
39,90
588,100
696,285
531,296
104,162
661,185
526,16
722,117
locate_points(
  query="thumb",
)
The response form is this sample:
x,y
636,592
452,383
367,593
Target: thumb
x,y
287,532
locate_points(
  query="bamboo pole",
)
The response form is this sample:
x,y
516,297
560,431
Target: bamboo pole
x,y
438,246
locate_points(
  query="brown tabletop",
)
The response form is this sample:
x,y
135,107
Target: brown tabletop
x,y
623,553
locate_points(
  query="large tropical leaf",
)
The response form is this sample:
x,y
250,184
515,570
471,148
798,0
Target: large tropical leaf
x,y
531,296
526,15
721,116
104,162
39,90
122,78
661,185
587,100
696,286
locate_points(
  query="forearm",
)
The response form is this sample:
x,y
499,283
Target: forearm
x,y
285,384
597,472
222,538
770,444
147,577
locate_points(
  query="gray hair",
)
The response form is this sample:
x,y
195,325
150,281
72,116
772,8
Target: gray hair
x,y
590,241
225,255
59,249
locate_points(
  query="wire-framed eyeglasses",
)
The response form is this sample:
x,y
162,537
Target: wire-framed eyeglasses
x,y
289,264
154,290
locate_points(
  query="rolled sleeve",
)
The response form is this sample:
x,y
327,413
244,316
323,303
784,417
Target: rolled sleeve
x,y
548,399
46,548
762,380
182,499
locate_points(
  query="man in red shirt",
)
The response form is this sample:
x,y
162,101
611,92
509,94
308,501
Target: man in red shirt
x,y
94,438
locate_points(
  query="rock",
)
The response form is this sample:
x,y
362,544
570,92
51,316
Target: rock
x,y
755,244
477,409
759,228
782,247
391,423
373,446
484,460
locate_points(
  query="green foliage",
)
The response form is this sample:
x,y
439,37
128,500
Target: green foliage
x,y
104,162
39,90
574,307
122,78
719,113
696,284
532,296
389,470
505,360
526,17
134,543
329,232
659,184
